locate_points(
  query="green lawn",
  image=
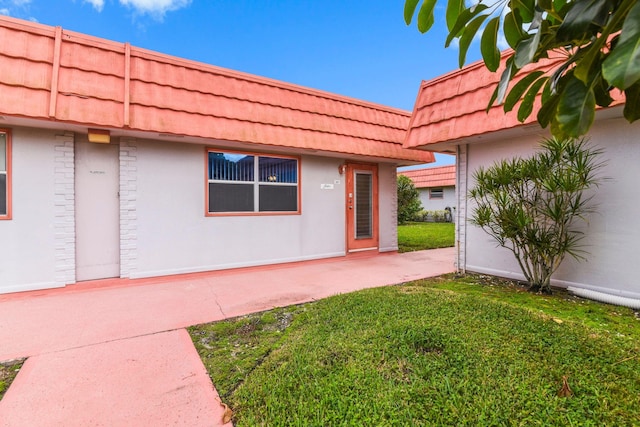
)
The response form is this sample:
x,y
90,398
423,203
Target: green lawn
x,y
416,236
444,351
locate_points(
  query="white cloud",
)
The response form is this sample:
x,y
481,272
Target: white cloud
x,y
14,7
156,8
97,4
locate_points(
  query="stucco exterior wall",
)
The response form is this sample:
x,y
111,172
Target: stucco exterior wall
x,y
448,199
174,236
612,236
162,221
29,251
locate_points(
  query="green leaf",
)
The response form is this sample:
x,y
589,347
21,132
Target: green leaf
x,y
488,45
464,17
526,8
468,34
576,109
425,15
518,89
526,50
506,77
622,68
632,103
580,18
513,29
526,107
601,90
492,100
548,110
409,10
545,4
587,63
454,7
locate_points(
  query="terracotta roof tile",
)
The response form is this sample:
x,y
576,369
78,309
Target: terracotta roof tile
x,y
53,74
453,106
440,176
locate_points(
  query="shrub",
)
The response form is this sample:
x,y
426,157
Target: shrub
x,y
532,206
408,200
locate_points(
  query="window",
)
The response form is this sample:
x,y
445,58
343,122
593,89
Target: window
x,y
5,174
248,183
364,205
436,193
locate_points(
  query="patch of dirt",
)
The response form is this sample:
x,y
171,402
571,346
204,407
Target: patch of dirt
x,y
8,371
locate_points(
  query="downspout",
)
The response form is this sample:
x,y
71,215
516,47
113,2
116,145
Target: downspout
x,y
460,210
606,298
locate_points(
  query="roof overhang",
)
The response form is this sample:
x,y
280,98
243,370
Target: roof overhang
x,y
71,80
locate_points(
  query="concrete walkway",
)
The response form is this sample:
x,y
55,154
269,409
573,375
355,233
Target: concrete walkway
x,y
115,353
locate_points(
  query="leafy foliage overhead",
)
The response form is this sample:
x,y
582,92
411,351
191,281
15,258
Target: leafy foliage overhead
x,y
597,41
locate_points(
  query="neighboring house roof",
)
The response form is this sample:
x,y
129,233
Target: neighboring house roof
x,y
442,176
58,75
453,106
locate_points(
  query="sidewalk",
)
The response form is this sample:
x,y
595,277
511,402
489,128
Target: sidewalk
x,y
117,355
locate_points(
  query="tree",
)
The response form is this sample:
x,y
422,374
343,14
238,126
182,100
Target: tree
x,y
534,206
598,42
408,200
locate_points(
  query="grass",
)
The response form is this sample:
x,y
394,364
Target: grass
x,y
8,372
417,236
447,351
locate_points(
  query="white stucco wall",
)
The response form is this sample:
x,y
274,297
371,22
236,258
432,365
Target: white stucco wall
x,y
163,227
448,199
28,252
174,236
612,236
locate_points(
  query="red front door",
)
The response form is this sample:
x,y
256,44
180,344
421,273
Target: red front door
x,y
362,207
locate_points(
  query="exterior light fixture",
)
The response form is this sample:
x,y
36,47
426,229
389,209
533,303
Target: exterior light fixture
x,y
99,136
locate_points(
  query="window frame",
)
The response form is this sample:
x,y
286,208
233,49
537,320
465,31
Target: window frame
x,y
7,172
256,182
440,191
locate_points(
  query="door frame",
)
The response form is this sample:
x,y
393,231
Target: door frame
x,y
352,243
97,225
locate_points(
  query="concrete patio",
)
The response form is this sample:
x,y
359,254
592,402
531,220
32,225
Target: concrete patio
x,y
115,352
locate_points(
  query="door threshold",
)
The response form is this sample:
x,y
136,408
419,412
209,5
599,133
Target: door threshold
x,y
353,251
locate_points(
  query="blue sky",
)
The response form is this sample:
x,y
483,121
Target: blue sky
x,y
357,48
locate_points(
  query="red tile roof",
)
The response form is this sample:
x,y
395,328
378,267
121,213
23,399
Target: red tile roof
x,y
453,106
442,176
53,74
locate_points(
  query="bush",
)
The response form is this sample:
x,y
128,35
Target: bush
x,y
433,216
408,200
533,206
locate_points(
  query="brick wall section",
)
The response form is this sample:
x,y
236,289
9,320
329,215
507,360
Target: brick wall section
x,y
461,209
393,206
64,221
128,214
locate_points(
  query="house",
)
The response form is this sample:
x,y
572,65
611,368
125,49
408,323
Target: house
x,y
119,162
436,186
449,115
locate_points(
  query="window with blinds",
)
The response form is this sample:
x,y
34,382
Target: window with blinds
x,y
364,206
4,173
436,193
241,182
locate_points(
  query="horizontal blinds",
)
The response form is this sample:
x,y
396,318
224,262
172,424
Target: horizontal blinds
x,y
274,169
364,208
